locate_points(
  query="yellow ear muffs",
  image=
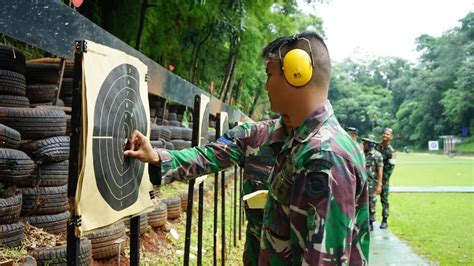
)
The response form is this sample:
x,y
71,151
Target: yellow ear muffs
x,y
297,67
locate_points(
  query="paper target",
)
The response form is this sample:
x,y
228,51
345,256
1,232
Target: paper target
x,y
203,119
118,111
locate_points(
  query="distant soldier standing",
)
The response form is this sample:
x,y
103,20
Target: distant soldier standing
x,y
388,153
352,131
374,168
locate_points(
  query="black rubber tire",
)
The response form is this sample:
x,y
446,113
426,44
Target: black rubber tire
x,y
184,201
57,256
10,209
154,132
11,235
40,73
52,175
34,123
68,68
172,117
12,83
66,88
49,150
41,93
44,200
143,223
173,207
12,59
180,144
103,240
175,132
159,215
53,224
14,101
67,101
186,133
174,123
9,138
14,165
160,144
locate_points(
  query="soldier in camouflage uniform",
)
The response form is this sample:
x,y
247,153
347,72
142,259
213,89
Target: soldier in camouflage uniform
x,y
352,131
317,207
388,153
374,168
252,146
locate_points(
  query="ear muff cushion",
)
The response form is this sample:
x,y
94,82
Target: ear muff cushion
x,y
297,67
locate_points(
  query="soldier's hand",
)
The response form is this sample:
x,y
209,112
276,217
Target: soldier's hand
x,y
378,189
139,147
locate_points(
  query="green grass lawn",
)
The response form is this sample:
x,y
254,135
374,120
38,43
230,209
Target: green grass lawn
x,y
432,174
466,147
438,226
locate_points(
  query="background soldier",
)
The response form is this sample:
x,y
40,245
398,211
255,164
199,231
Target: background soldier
x,y
388,153
352,131
374,168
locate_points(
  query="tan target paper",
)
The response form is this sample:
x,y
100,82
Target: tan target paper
x,y
115,102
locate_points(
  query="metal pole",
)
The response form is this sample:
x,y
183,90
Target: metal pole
x,y
223,218
73,243
189,212
234,205
240,203
200,220
135,241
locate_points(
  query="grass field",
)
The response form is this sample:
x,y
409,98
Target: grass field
x,y
432,174
438,226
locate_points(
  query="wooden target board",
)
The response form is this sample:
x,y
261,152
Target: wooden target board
x,y
115,103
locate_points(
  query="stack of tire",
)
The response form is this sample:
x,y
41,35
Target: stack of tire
x,y
57,255
180,136
143,223
45,202
106,242
160,137
42,76
173,207
44,188
159,216
12,78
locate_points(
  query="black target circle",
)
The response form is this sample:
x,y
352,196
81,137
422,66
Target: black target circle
x,y
118,111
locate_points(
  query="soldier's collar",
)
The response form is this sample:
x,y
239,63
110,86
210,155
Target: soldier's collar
x,y
279,133
314,121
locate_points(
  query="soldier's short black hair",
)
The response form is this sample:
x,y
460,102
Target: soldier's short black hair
x,y
321,60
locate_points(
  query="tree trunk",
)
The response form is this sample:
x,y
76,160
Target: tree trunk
x,y
240,83
196,50
254,105
225,89
141,25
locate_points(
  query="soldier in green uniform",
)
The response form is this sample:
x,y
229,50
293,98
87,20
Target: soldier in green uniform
x,y
352,131
317,207
374,168
389,156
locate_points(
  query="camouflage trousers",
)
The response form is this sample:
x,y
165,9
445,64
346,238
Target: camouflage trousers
x,y
252,236
372,199
384,197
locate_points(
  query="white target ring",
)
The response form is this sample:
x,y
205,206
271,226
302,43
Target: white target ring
x,y
118,111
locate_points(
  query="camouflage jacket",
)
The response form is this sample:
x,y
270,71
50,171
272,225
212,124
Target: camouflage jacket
x,y
252,146
373,160
317,211
388,153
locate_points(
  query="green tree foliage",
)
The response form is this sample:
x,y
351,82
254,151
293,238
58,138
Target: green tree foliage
x,y
206,41
421,102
